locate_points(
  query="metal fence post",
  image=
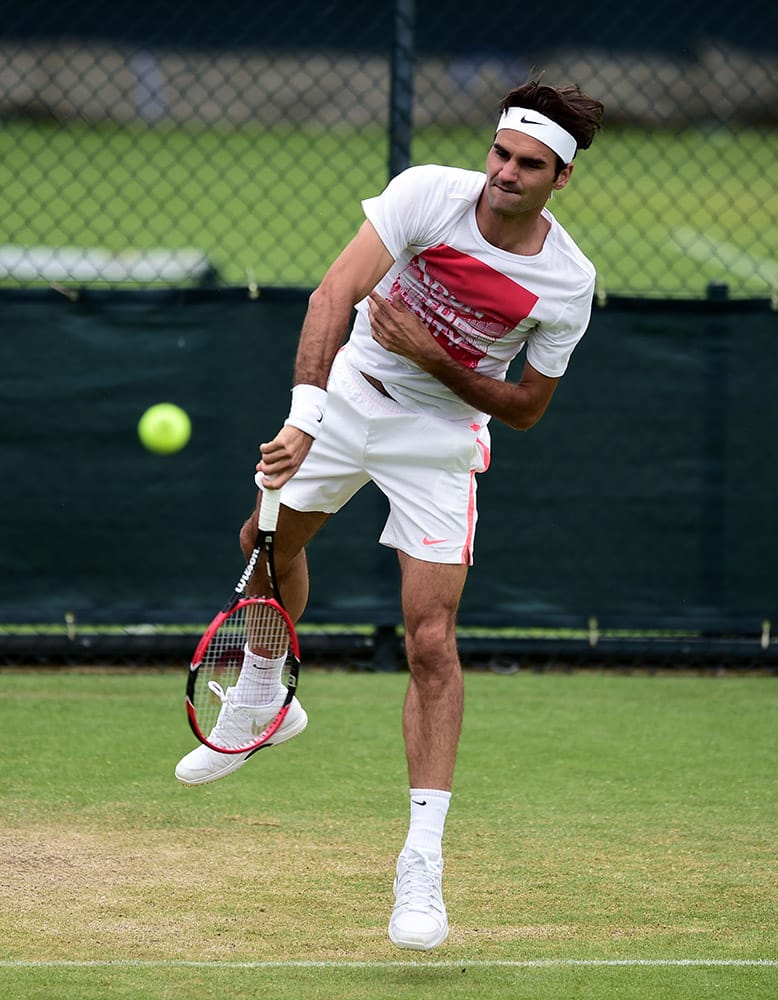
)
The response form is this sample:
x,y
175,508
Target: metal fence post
x,y
401,93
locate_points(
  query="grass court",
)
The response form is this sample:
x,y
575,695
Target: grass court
x,y
609,836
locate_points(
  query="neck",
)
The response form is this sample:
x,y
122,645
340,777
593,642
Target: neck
x,y
522,234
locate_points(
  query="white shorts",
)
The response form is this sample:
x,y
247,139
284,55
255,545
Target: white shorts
x,y
423,464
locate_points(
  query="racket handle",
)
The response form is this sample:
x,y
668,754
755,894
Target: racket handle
x,y
268,512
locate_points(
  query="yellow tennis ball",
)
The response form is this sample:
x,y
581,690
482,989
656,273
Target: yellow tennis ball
x,y
164,428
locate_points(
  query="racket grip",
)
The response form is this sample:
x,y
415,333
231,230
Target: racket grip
x,y
268,511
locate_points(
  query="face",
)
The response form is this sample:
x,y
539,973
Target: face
x,y
521,174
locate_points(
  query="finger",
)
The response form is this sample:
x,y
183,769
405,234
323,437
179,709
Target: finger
x,y
275,482
378,305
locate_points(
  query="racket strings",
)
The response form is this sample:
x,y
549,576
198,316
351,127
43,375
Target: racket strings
x,y
256,624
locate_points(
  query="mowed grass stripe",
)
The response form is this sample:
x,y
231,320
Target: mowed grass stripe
x,y
274,206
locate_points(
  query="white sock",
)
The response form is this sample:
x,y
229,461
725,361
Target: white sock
x,y
259,681
429,807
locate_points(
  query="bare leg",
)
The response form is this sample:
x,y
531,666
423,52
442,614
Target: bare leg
x,y
432,716
295,530
432,722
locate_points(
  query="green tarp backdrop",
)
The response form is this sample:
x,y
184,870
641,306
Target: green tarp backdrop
x,y
646,495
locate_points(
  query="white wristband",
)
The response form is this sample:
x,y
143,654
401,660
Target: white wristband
x,y
309,404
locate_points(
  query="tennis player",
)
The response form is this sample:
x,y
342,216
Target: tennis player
x,y
453,273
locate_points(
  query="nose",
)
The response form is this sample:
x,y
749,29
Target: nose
x,y
509,172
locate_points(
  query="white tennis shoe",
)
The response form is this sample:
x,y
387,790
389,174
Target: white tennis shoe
x,y
419,920
234,727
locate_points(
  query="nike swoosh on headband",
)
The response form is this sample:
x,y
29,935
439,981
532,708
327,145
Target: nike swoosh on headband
x,y
542,128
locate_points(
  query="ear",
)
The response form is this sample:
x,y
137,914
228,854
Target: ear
x,y
564,177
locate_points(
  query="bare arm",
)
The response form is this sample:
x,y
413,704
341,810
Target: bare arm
x,y
354,273
517,404
357,270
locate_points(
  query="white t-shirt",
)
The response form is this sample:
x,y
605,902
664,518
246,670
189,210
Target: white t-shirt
x,y
481,303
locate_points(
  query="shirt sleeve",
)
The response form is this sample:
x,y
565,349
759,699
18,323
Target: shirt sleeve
x,y
549,347
416,208
400,214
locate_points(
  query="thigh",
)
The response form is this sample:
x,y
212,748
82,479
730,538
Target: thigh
x,y
431,593
295,530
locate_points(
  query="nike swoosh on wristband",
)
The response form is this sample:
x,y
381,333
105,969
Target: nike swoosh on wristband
x,y
529,121
432,541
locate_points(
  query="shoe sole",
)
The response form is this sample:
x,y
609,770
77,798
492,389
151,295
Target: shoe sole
x,y
232,764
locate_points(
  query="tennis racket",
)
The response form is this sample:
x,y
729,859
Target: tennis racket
x,y
260,622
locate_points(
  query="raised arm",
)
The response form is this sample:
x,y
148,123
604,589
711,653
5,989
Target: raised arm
x,y
355,272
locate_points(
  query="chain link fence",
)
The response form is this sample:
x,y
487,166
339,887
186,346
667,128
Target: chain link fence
x,y
232,146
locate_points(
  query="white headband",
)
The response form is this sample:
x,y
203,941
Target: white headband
x,y
541,128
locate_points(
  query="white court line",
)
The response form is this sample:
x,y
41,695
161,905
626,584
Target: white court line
x,y
540,963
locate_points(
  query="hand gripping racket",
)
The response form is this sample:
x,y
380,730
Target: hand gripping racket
x,y
259,622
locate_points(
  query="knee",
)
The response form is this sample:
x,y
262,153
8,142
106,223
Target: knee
x,y
248,536
430,647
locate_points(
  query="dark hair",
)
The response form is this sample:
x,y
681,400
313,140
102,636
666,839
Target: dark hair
x,y
569,107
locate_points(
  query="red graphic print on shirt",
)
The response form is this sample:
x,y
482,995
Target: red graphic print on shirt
x,y
464,303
